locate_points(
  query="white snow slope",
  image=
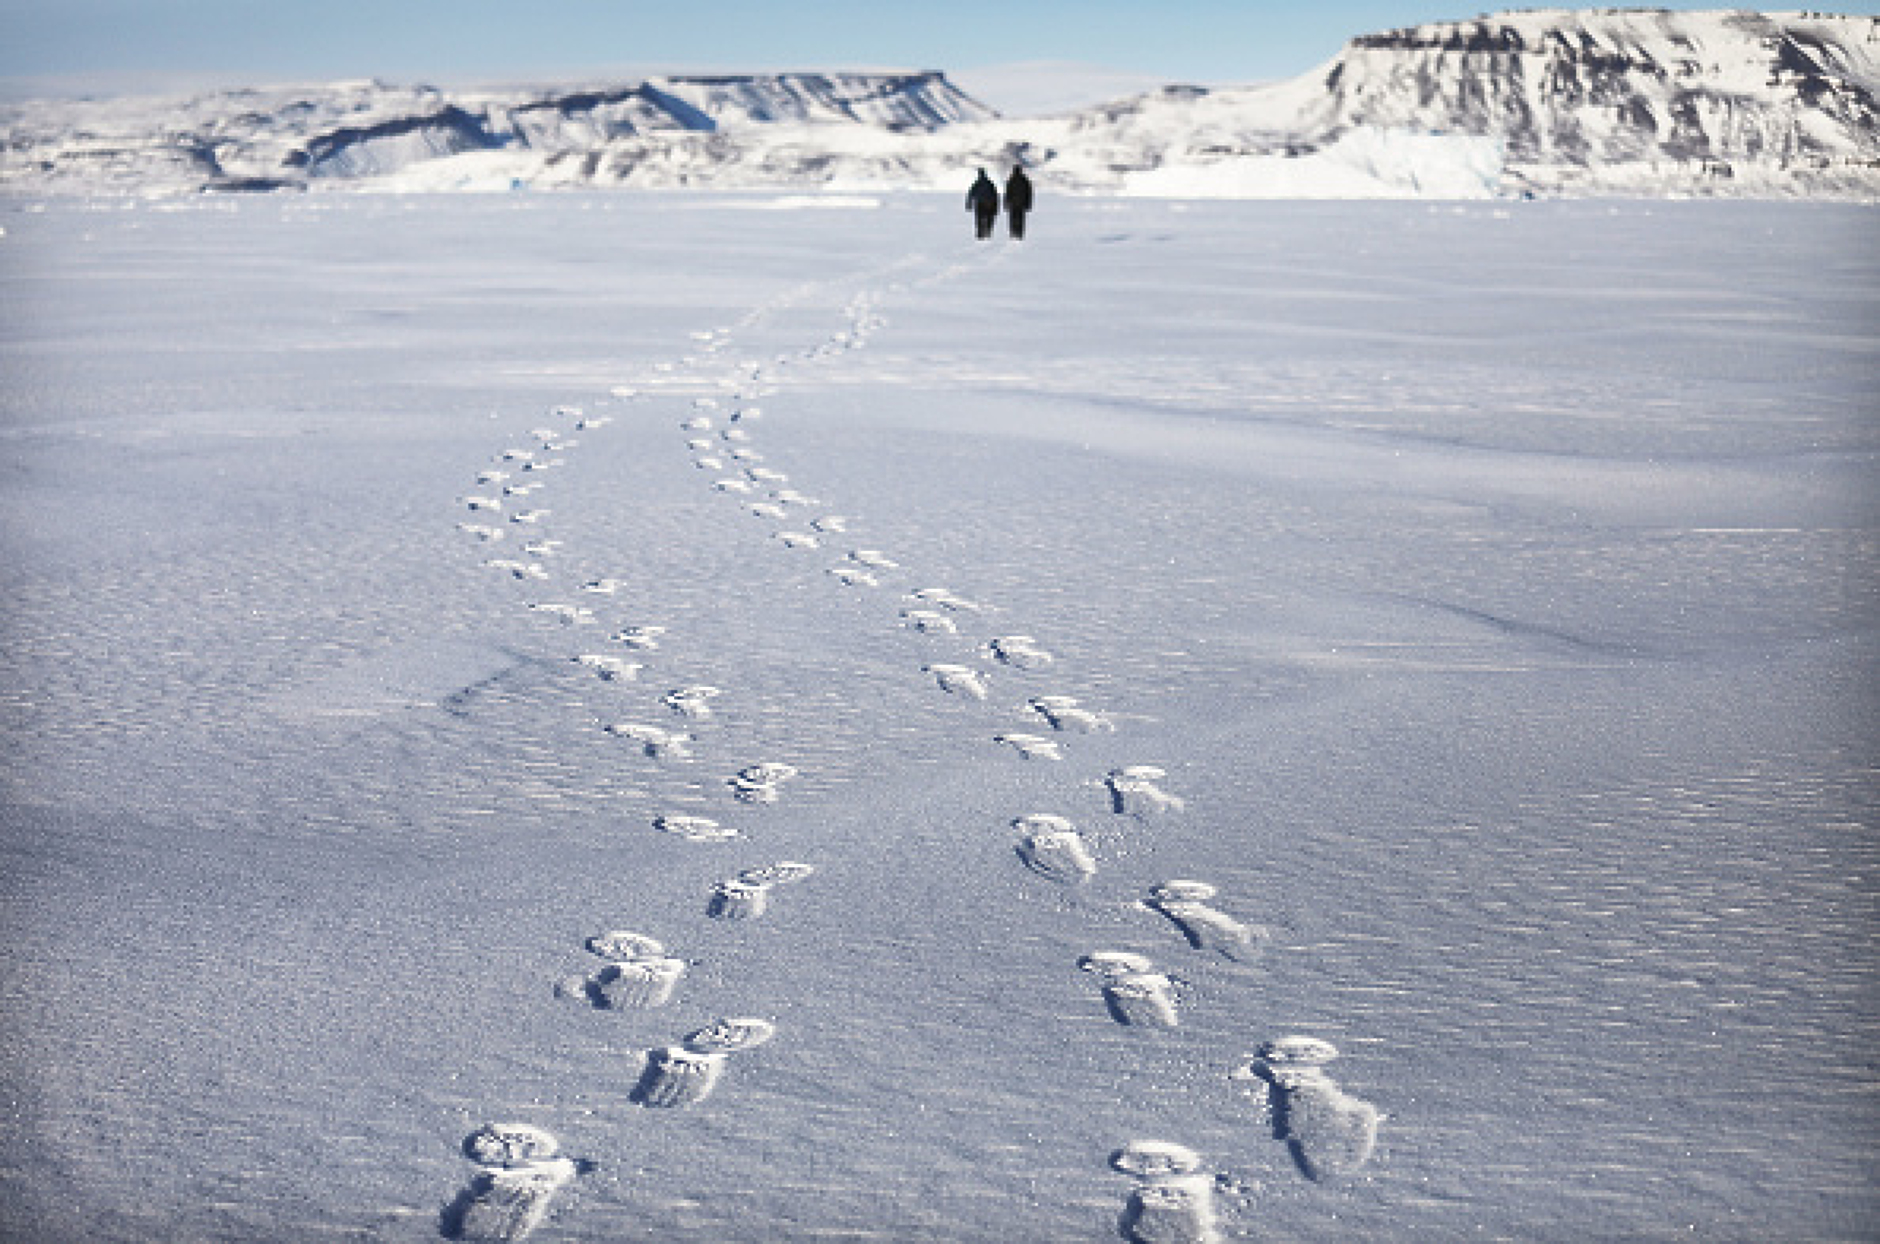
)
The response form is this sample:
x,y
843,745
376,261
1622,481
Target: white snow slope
x,y
399,591
1551,102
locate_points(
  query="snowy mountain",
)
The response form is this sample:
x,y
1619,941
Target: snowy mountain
x,y
362,132
1546,102
1611,100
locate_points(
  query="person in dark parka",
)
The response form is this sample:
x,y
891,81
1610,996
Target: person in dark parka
x,y
1017,201
983,202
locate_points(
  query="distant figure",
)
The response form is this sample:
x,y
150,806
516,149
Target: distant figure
x,y
983,202
1017,201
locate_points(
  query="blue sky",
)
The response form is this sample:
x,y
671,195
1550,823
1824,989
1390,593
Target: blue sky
x,y
110,45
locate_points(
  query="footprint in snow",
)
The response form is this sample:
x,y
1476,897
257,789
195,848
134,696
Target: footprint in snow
x,y
612,669
685,1074
831,524
693,828
692,701
642,638
567,615
1051,847
1135,993
519,1170
1065,715
655,742
761,783
1133,792
928,622
958,680
1173,1201
1185,905
1019,651
945,599
1330,1132
1031,746
797,540
848,576
481,531
492,505
874,559
737,900
783,872
747,895
638,975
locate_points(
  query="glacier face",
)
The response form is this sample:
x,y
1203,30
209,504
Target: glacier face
x,y
1548,102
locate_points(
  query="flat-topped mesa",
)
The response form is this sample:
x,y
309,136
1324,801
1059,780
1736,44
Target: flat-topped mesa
x,y
1576,96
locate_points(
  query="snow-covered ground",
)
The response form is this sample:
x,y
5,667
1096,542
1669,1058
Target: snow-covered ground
x,y
1492,586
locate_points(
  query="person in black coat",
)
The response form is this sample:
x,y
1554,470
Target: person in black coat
x,y
1017,201
983,202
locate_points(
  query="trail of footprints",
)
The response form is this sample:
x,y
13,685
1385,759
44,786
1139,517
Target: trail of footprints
x,y
1328,1132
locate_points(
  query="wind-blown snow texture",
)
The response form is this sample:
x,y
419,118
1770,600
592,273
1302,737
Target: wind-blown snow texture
x,y
1548,103
1456,628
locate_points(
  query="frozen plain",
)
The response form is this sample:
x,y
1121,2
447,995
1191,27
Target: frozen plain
x,y
1494,585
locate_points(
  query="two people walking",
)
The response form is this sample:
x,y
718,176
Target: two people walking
x,y
983,202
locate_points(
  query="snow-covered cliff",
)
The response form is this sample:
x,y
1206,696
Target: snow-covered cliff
x,y
1613,99
1545,102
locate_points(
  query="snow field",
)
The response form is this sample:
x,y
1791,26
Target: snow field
x,y
1427,632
